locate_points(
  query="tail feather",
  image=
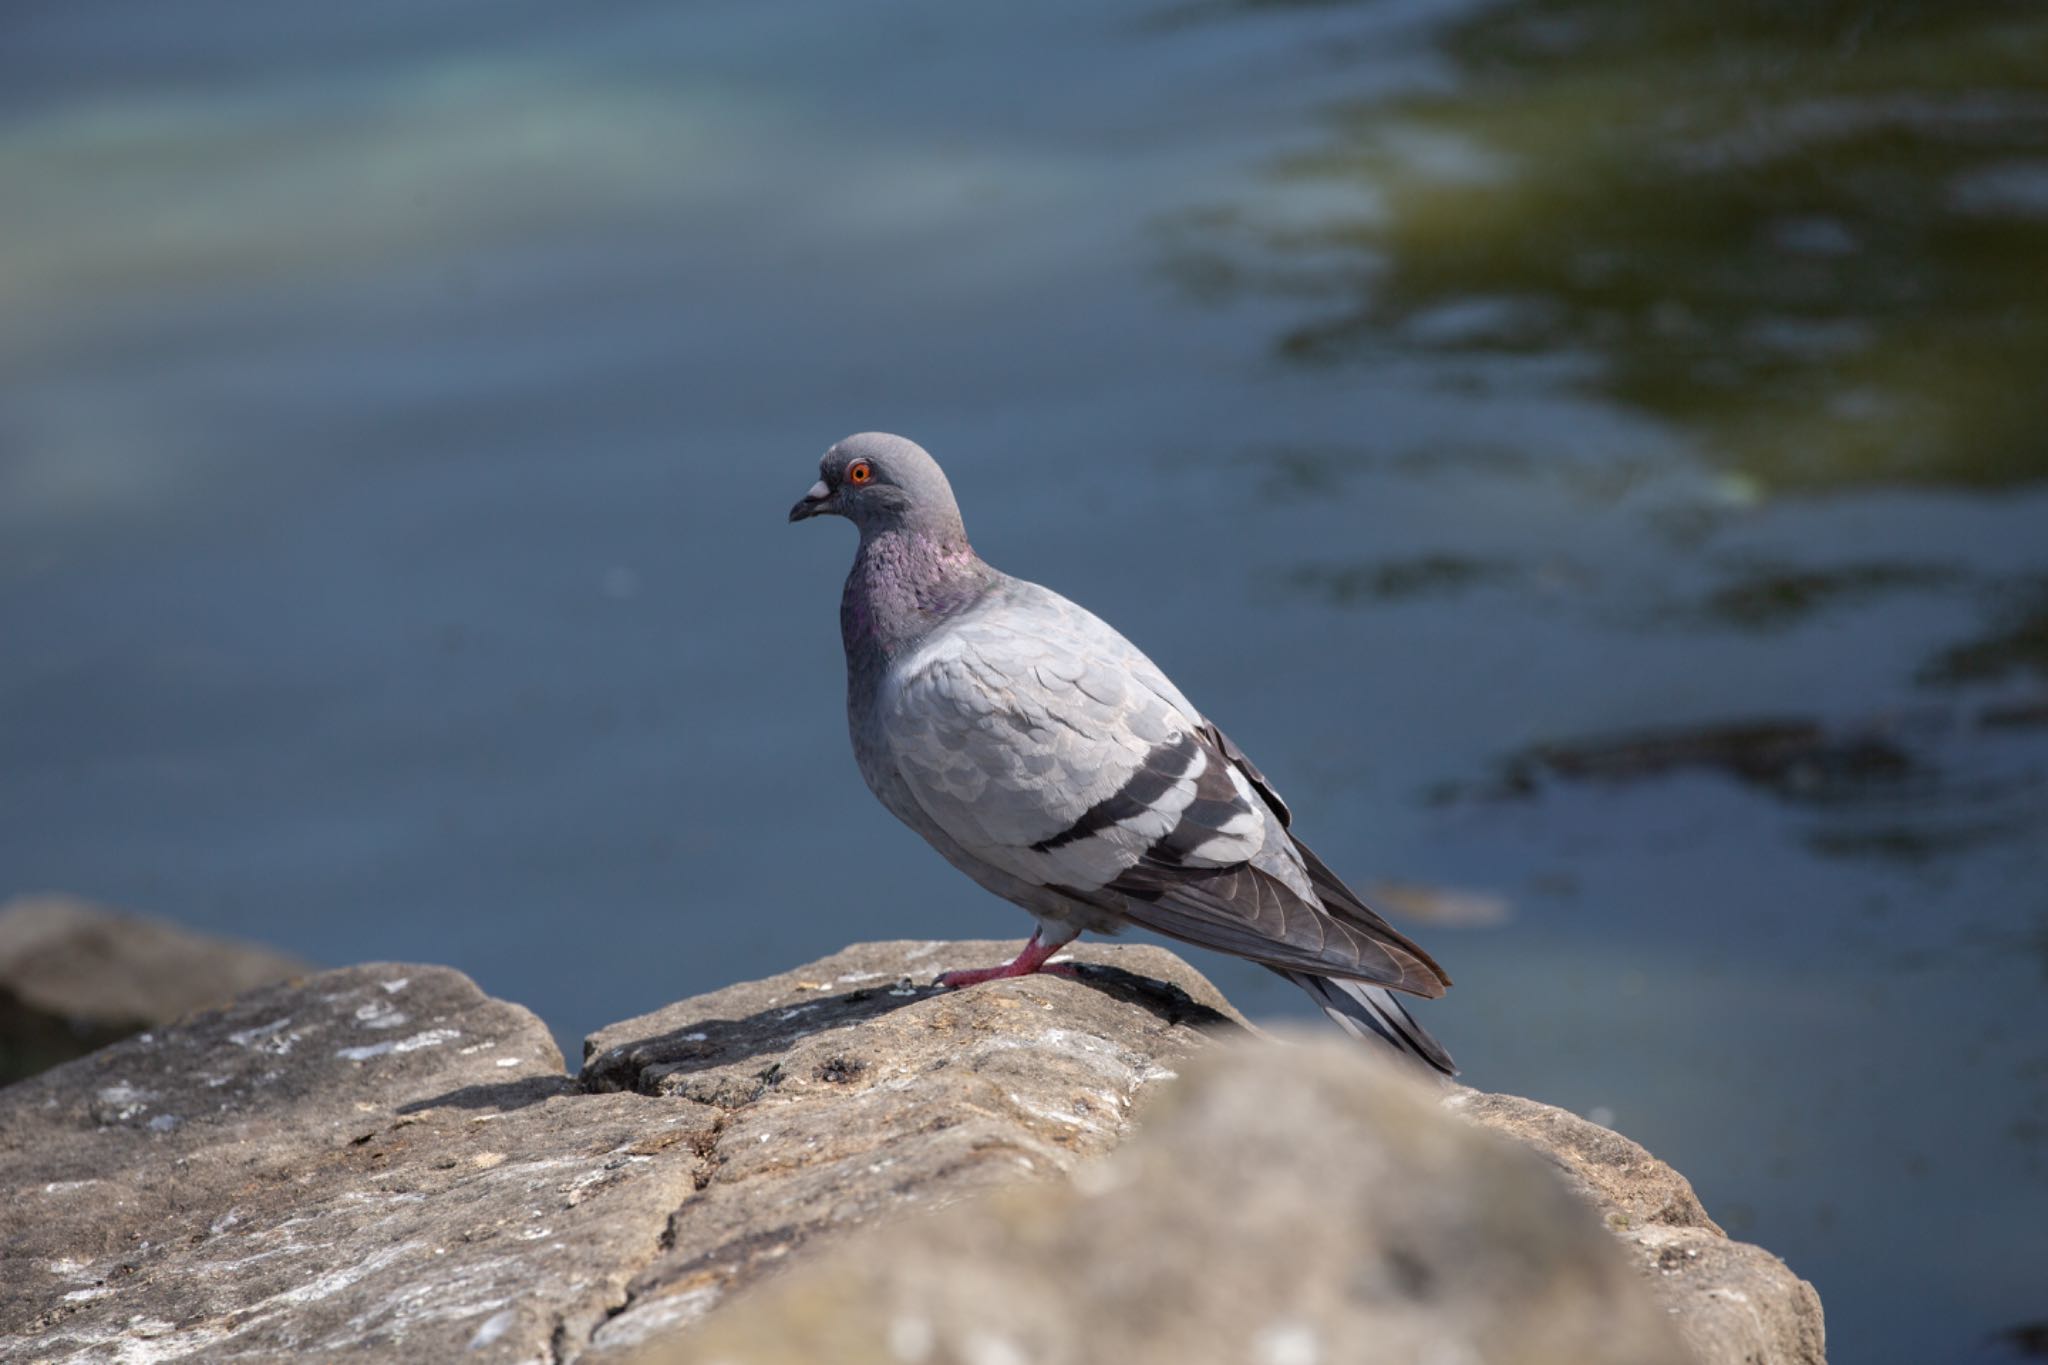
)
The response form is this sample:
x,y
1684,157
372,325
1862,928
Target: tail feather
x,y
1373,1014
1343,903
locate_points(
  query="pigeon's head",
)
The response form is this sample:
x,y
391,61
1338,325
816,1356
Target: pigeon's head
x,y
881,482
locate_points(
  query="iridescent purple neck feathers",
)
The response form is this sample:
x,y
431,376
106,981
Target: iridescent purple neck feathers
x,y
903,584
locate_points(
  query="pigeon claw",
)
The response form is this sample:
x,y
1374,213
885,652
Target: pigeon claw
x,y
1034,959
953,981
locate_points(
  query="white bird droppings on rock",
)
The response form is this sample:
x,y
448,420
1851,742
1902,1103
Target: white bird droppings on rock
x,y
494,1326
122,1101
264,1037
381,1014
433,1037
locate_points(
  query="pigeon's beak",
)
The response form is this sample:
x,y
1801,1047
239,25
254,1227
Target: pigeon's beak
x,y
812,503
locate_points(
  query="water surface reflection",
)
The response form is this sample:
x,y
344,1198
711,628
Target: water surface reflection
x,y
1816,234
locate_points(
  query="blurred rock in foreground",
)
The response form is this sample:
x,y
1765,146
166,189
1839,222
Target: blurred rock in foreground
x,y
1297,1204
384,1163
74,977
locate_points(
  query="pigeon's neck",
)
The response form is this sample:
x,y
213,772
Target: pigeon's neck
x,y
905,583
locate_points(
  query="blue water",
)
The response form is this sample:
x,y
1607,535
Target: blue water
x,y
399,407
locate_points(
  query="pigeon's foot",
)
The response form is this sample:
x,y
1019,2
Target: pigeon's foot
x,y
953,981
1034,959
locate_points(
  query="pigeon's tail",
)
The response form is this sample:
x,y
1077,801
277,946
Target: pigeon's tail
x,y
1373,1014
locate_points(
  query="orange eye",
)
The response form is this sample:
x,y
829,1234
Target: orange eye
x,y
860,471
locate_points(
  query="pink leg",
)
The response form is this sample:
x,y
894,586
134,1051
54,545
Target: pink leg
x,y
1032,959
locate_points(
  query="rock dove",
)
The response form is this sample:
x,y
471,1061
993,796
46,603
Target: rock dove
x,y
1047,758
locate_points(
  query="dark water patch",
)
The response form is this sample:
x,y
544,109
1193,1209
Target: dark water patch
x,y
1795,757
1917,789
1776,596
2027,713
1397,580
2027,1341
2015,641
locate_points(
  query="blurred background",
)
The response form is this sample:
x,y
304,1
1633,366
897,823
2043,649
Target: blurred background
x,y
1590,453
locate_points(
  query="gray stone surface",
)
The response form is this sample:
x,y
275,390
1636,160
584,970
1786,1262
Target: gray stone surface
x,y
381,1163
378,1162
849,1093
1293,1204
1731,1301
75,976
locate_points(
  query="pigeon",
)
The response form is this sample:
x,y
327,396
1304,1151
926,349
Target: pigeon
x,y
1042,754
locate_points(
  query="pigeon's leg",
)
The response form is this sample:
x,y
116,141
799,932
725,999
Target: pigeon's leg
x,y
1032,959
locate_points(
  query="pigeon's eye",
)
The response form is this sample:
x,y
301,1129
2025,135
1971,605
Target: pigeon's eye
x,y
860,471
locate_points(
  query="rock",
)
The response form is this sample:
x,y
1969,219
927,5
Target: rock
x,y
379,1159
75,977
848,1093
1302,1203
382,1162
1731,1301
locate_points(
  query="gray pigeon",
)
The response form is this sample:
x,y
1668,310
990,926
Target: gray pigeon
x,y
1047,758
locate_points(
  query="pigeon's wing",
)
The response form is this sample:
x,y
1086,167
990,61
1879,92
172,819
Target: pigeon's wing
x,y
1256,912
1336,899
1045,744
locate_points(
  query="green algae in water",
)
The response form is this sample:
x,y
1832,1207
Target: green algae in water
x,y
1815,236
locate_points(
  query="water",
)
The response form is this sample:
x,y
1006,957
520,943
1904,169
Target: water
x,y
398,409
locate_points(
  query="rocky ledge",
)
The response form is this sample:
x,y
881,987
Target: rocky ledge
x,y
75,976
384,1163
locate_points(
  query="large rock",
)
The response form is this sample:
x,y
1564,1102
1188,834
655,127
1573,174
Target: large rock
x,y
379,1160
1731,1301
847,1093
75,977
383,1163
1293,1204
